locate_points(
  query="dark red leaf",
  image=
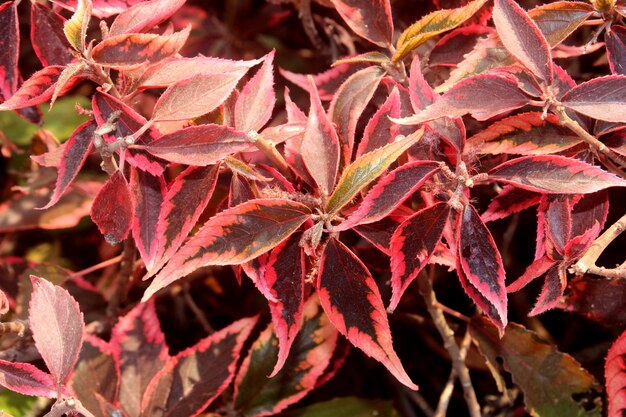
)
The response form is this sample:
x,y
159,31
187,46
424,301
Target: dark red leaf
x,y
138,345
311,353
240,190
590,210
554,174
186,199
510,200
26,379
327,82
148,192
615,40
57,325
198,145
144,16
601,300
379,233
75,153
135,49
234,236
9,49
523,39
412,245
389,192
480,267
257,99
535,270
553,287
420,92
320,148
380,130
191,380
602,98
452,47
352,301
370,19
112,209
615,377
36,90
557,222
578,245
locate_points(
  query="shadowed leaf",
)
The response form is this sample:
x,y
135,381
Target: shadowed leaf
x,y
614,375
47,37
327,82
112,209
509,201
616,49
370,19
380,129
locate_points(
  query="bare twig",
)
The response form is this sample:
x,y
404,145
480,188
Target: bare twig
x,y
446,394
96,267
269,149
196,310
70,406
420,401
309,25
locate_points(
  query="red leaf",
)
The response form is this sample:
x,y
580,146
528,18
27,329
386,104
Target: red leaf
x,y
368,19
412,245
558,221
36,90
615,40
379,233
240,190
523,39
9,49
284,276
483,96
601,300
380,130
390,192
26,379
480,267
191,380
320,148
352,301
578,245
257,99
186,199
349,102
535,270
75,153
135,49
57,325
589,211
327,82
452,47
199,145
552,291
101,8
603,98
144,16
112,209
554,174
148,192
138,345
420,92
257,395
615,375
195,96
510,200
234,236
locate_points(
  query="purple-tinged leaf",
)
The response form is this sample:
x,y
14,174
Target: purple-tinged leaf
x,y
578,245
9,49
148,192
26,379
349,102
240,190
452,47
57,325
191,380
320,148
559,19
483,96
195,96
509,201
284,133
112,209
352,301
601,300
523,39
379,233
144,16
198,145
602,98
284,276
554,174
370,19
525,134
327,82
136,49
390,192
373,57
615,41
534,270
234,236
75,153
380,130
138,345
186,199
420,92
256,101
615,377
294,113
47,37
480,267
412,245
257,395
590,210
366,169
552,290
558,221
36,90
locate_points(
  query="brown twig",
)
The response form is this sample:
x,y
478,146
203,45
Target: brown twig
x,y
309,25
96,267
419,400
197,311
269,149
446,394
18,327
70,406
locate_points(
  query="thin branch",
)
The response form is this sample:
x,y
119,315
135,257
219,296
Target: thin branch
x,y
446,394
309,25
458,362
269,149
587,264
18,327
96,267
197,311
419,400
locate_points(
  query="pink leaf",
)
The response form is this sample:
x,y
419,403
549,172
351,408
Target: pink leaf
x,y
257,99
616,377
554,174
112,209
144,16
101,8
57,325
534,270
36,90
509,201
523,39
352,301
420,92
452,47
602,98
26,379
370,19
9,49
327,82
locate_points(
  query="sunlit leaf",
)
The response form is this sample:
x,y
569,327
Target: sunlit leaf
x,y
256,100
144,16
603,98
369,19
75,28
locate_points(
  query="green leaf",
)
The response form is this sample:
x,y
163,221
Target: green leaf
x,y
549,379
346,407
15,404
366,169
75,28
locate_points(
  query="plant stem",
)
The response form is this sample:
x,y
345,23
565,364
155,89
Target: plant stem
x,y
123,279
446,394
96,267
587,264
309,25
458,362
269,149
196,310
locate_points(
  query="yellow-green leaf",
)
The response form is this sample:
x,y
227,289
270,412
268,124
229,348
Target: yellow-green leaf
x,y
75,28
432,25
